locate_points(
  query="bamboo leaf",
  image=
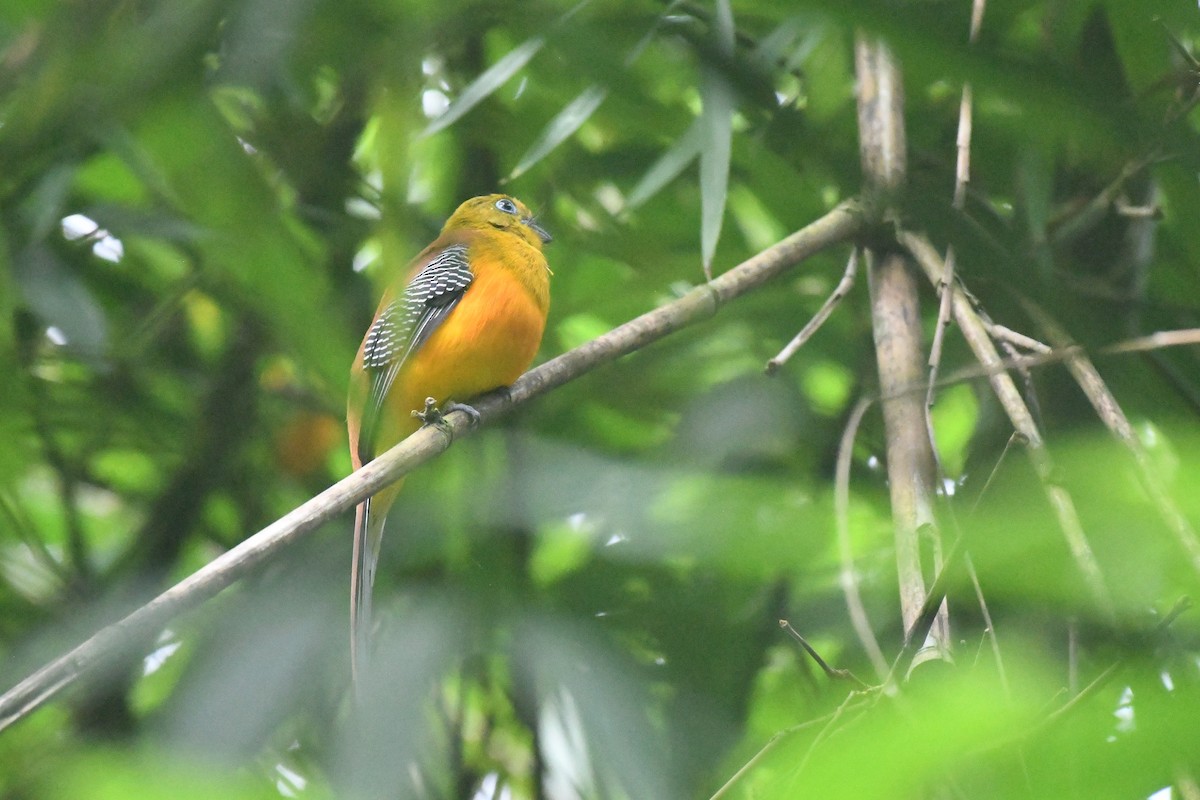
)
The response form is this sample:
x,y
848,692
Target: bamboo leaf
x,y
723,28
716,138
716,143
60,299
492,79
559,129
667,168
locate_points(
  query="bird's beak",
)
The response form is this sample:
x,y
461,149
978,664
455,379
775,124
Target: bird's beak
x,y
542,233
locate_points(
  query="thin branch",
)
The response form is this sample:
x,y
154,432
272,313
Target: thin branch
x,y
860,703
830,672
1066,708
1081,220
976,18
1159,340
1151,341
987,484
847,575
68,494
1072,656
814,324
990,628
939,329
1181,605
839,225
1113,417
1003,334
1149,211
827,730
1014,406
18,521
1023,738
962,176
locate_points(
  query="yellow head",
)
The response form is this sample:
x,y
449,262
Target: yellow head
x,y
498,212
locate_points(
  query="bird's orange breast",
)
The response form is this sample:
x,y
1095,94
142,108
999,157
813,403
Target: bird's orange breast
x,y
487,342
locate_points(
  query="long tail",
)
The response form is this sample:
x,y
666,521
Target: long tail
x,y
368,534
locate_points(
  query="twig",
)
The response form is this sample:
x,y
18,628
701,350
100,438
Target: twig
x,y
1014,406
814,324
939,329
1003,334
1082,220
847,575
1014,437
1100,681
19,522
1066,708
825,721
1149,211
1072,655
1181,605
1154,341
976,18
81,573
1160,340
962,176
839,225
824,733
830,672
1113,417
990,629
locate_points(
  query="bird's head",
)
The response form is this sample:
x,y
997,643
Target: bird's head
x,y
499,212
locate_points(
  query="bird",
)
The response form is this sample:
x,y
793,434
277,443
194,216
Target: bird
x,y
465,318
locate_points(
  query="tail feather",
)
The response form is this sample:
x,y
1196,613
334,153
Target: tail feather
x,y
368,534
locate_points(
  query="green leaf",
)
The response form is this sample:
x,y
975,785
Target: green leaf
x,y
492,79
717,124
43,208
565,123
778,43
723,27
60,299
716,143
667,168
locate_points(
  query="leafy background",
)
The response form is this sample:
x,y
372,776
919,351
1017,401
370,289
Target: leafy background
x,y
198,202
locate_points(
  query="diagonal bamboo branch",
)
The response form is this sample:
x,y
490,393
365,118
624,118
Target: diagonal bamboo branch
x,y
976,335
1110,413
823,313
962,176
841,224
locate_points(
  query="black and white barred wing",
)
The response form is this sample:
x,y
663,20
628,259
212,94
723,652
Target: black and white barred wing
x,y
405,325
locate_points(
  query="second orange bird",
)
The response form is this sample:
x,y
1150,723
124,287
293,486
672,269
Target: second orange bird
x,y
467,317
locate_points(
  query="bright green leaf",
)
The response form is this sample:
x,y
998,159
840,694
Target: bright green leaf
x,y
667,167
492,79
717,143
565,123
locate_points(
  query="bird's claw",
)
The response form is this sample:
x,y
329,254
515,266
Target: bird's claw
x,y
471,411
432,415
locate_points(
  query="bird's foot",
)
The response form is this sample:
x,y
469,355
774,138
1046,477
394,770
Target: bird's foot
x,y
471,411
432,415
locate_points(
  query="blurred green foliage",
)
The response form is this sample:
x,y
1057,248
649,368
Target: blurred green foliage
x,y
198,201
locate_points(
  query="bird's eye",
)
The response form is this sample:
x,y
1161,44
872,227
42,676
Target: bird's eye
x,y
506,205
